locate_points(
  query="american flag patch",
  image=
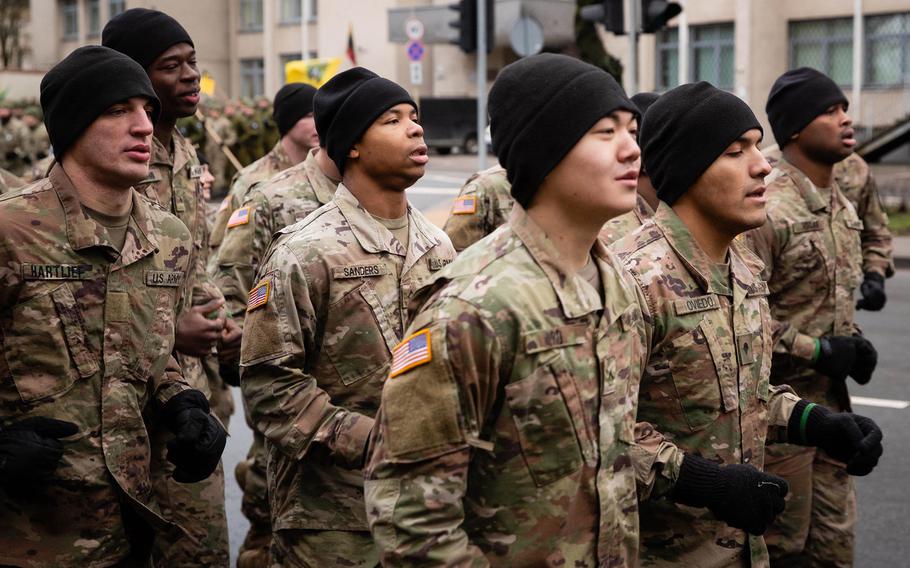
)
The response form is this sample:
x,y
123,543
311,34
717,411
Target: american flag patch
x,y
465,206
412,352
225,203
239,217
259,296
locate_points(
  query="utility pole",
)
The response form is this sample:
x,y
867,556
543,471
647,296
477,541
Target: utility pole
x,y
633,46
481,84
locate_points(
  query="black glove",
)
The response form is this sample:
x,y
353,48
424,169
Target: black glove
x,y
229,372
846,437
30,449
836,356
199,438
866,360
739,495
873,291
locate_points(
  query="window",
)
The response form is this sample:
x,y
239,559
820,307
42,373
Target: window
x,y
93,7
70,17
826,45
711,56
289,11
251,78
283,60
116,7
251,15
314,10
888,50
667,64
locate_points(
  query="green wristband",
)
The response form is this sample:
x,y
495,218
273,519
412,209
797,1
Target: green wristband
x,y
803,420
818,349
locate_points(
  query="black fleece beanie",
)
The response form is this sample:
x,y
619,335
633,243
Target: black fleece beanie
x,y
540,107
644,101
796,98
85,84
347,105
143,34
685,130
292,102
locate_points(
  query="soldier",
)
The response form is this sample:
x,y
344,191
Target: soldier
x,y
325,315
88,316
35,143
506,431
8,181
646,200
249,136
706,384
222,127
164,48
9,140
482,205
294,116
811,249
282,201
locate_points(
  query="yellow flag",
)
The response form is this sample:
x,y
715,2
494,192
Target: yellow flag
x,y
311,71
207,85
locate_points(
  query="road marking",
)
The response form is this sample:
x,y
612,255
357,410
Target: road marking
x,y
434,191
880,402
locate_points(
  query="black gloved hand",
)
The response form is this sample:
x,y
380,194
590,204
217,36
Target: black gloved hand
x,y
199,438
873,291
836,356
30,449
739,495
866,360
846,437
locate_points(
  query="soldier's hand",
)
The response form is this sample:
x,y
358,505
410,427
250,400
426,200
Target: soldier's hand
x,y
199,438
873,291
866,360
739,495
196,332
229,344
30,449
836,356
846,437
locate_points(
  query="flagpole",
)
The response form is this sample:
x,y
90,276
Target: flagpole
x,y
305,31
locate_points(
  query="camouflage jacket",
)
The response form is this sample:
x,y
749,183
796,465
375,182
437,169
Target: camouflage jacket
x,y
9,182
173,183
269,207
482,205
811,249
87,336
618,227
509,439
263,169
317,342
858,185
706,385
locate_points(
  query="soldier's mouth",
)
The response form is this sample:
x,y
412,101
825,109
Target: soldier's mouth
x,y
419,155
847,138
757,193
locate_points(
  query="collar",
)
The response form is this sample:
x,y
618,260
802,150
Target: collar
x,y
642,210
280,157
575,297
323,187
810,194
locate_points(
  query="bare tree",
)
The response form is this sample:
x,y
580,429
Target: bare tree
x,y
12,16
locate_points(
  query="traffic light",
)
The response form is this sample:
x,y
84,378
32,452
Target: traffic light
x,y
610,13
466,24
656,13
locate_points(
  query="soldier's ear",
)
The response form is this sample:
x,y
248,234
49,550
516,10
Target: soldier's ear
x,y
353,153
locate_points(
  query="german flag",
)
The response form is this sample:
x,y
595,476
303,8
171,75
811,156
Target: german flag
x,y
350,51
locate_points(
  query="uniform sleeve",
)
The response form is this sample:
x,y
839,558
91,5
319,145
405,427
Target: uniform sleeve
x,y
285,402
417,476
169,383
228,205
656,461
875,236
766,242
780,406
238,259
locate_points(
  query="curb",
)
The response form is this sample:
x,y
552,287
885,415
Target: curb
x,y
902,263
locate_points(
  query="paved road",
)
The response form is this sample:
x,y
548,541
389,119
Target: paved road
x,y
884,499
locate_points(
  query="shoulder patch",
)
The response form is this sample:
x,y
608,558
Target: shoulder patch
x,y
239,217
225,203
259,296
466,205
806,226
699,304
414,351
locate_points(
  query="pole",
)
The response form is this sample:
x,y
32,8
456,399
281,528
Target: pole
x,y
855,104
305,29
633,46
481,84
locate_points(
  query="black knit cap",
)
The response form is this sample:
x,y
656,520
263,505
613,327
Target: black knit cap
x,y
540,107
292,102
143,34
685,130
644,101
85,84
797,97
347,105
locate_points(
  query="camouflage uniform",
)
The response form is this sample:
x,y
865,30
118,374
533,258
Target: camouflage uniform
x,y
706,384
87,334
317,342
9,182
813,264
282,201
263,169
173,183
10,144
482,205
35,144
618,227
218,163
512,441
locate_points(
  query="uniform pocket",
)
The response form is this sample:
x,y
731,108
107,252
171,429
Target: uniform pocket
x,y
358,337
44,345
695,378
621,373
552,442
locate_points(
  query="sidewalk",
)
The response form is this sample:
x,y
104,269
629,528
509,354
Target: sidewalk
x,y
902,252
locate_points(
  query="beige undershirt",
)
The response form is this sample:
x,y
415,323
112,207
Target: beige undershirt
x,y
398,227
590,274
116,225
